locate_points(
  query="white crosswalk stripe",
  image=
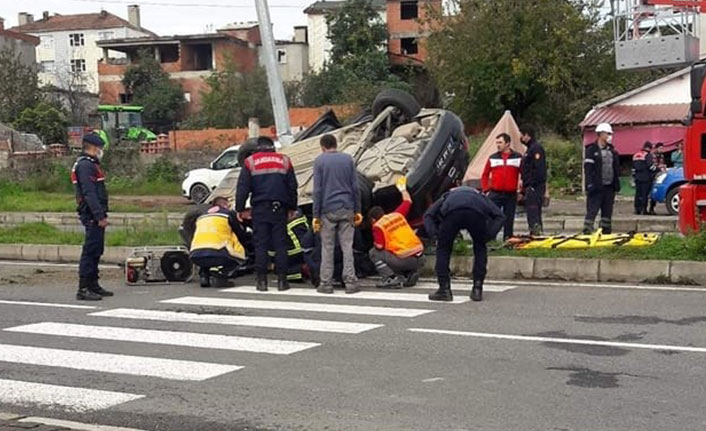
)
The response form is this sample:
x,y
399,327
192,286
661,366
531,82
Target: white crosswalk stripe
x,y
67,397
110,363
252,321
343,307
186,339
299,306
374,295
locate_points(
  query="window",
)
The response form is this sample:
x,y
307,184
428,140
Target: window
x,y
409,10
105,35
47,42
409,46
187,97
76,39
78,66
46,66
125,98
282,56
228,160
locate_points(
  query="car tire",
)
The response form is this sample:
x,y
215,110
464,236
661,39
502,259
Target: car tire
x,y
672,201
199,193
404,102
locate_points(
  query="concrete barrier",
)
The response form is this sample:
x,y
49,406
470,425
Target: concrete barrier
x,y
566,269
688,272
499,267
634,270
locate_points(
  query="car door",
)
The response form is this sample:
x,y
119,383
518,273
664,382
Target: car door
x,y
221,166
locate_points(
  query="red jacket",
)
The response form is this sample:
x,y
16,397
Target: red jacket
x,y
502,172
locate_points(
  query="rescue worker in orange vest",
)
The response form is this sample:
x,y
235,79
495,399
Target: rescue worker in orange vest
x,y
216,248
397,251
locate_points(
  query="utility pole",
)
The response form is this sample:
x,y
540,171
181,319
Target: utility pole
x,y
274,81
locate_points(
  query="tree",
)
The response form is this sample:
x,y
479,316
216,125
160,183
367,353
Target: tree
x,y
44,120
150,87
71,93
19,88
233,97
547,61
358,67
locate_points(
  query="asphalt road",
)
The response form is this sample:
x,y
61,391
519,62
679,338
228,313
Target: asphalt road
x,y
532,356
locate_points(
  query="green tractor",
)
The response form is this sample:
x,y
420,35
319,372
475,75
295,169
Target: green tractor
x,y
123,123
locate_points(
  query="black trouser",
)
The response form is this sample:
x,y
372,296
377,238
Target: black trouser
x,y
601,199
224,265
642,196
93,246
388,264
451,225
534,197
270,233
507,202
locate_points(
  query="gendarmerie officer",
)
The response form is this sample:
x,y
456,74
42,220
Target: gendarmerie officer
x,y
534,178
643,169
92,207
459,209
268,179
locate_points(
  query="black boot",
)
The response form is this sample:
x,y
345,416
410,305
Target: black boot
x,y
477,291
97,288
84,294
262,282
282,283
443,293
221,282
205,277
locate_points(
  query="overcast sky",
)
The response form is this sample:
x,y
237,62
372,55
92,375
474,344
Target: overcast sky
x,y
165,17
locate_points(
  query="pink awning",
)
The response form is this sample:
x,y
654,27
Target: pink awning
x,y
629,140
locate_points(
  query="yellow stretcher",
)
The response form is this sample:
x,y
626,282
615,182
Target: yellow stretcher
x,y
583,241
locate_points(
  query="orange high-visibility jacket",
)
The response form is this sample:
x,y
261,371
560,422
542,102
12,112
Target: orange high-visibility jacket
x,y
400,239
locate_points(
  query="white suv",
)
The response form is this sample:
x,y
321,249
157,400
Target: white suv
x,y
199,183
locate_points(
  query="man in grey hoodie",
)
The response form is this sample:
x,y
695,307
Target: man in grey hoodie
x,y
336,211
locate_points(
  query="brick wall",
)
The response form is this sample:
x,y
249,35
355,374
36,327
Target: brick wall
x,y
399,28
220,139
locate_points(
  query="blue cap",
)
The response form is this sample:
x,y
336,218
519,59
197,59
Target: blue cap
x,y
93,139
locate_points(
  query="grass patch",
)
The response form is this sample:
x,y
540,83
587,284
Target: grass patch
x,y
669,247
128,187
42,233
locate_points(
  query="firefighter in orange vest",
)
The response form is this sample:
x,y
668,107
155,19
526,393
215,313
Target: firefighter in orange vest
x,y
397,251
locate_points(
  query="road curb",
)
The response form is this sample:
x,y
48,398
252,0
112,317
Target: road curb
x,y
499,267
570,269
58,253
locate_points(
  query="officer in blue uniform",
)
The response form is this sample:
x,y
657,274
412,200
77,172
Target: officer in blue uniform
x,y
462,208
268,179
92,200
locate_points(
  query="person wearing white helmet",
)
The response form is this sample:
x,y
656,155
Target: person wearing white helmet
x,y
602,174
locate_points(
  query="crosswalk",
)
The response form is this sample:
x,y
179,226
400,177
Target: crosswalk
x,y
213,322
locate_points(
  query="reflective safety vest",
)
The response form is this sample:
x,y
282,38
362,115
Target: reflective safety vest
x,y
400,239
213,232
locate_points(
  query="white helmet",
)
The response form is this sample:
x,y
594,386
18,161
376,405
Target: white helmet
x,y
604,128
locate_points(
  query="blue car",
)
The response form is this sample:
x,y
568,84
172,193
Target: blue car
x,y
666,188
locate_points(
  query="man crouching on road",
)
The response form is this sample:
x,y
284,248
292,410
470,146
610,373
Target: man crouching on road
x,y
92,200
216,247
462,208
397,250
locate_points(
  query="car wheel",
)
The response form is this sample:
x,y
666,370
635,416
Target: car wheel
x,y
406,105
672,201
198,193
